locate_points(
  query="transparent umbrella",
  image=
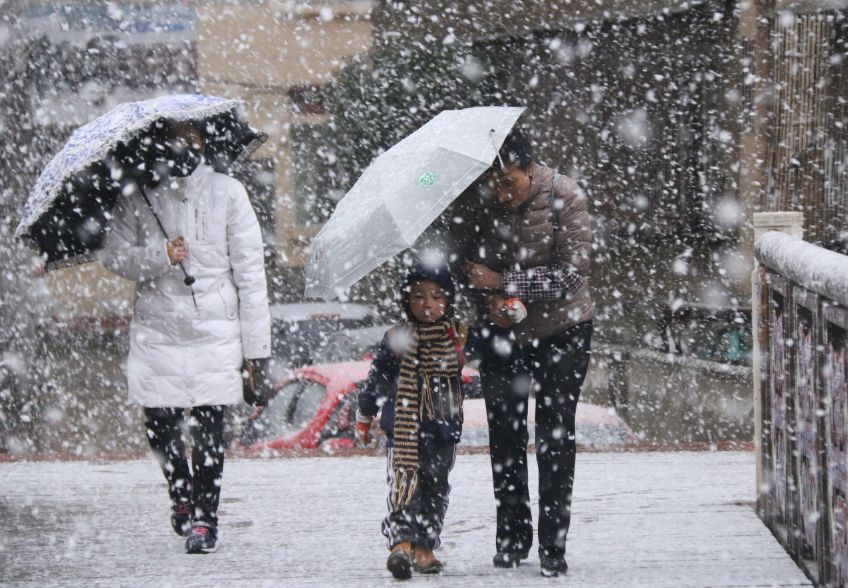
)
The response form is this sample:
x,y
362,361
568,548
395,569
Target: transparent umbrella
x,y
402,192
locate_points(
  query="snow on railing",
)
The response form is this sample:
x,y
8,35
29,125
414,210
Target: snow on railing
x,y
801,330
822,271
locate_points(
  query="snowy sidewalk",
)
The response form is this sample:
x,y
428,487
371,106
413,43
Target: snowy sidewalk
x,y
640,519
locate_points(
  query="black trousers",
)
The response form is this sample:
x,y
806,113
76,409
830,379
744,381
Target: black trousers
x,y
421,521
201,484
555,370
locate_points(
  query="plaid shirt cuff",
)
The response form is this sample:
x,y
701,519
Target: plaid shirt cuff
x,y
542,283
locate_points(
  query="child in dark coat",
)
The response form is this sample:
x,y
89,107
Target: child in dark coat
x,y
416,375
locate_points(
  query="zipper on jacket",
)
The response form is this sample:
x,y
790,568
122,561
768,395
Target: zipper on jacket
x,y
514,246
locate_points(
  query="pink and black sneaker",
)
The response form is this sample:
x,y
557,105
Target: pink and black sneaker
x,y
181,518
202,539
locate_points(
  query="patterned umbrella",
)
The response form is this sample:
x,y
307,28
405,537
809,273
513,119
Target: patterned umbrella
x,y
67,209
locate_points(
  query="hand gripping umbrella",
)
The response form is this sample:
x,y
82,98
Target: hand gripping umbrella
x,y
188,280
402,192
66,213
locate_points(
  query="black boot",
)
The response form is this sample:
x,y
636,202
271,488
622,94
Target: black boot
x,y
553,566
509,559
202,539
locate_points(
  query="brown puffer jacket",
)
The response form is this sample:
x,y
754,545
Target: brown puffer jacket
x,y
521,240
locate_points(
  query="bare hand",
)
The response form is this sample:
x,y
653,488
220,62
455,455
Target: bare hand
x,y
176,250
482,277
496,311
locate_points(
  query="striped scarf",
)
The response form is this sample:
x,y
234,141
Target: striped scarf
x,y
431,357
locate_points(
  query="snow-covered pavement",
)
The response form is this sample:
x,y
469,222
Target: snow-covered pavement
x,y
640,519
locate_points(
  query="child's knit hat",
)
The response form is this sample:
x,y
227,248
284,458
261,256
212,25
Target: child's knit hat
x,y
439,274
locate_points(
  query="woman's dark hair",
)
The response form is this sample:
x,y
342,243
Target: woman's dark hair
x,y
517,150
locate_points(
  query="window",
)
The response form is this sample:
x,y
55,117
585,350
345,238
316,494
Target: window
x,y
287,413
275,420
309,99
306,404
339,423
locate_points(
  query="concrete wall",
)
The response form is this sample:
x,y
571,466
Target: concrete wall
x,y
668,398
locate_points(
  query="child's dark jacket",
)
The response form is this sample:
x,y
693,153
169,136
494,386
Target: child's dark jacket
x,y
382,383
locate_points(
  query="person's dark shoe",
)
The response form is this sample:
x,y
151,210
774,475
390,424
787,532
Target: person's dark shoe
x,y
400,561
509,559
181,518
553,566
202,539
425,562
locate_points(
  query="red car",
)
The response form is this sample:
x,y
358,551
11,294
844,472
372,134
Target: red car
x,y
299,415
316,406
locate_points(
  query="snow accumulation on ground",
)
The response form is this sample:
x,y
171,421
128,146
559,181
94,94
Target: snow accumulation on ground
x,y
650,519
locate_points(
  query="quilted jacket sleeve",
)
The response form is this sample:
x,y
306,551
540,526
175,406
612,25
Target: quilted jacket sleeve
x,y
569,268
125,252
247,260
573,241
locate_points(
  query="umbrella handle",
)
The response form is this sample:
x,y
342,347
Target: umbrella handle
x,y
188,280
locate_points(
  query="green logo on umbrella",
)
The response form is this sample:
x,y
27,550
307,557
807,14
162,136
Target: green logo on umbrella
x,y
427,180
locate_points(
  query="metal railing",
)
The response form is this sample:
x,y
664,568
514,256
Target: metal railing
x,y
800,302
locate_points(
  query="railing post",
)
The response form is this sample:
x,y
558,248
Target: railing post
x,y
834,332
793,224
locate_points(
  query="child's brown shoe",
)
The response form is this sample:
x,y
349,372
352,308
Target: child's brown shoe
x,y
425,561
400,561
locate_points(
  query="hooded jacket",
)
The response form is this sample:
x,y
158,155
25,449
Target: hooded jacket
x,y
381,386
182,356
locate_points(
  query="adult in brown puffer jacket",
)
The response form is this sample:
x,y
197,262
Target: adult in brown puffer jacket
x,y
533,243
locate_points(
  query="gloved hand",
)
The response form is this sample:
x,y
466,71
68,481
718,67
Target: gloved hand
x,y
258,386
515,310
363,430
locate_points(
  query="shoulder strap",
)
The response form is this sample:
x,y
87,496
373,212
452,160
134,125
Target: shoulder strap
x,y
462,331
552,198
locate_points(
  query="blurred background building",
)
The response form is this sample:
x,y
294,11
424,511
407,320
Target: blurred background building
x,y
65,63
69,62
279,57
679,118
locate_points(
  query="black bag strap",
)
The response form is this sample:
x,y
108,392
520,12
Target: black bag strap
x,y
552,206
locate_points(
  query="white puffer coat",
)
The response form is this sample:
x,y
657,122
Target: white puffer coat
x,y
182,356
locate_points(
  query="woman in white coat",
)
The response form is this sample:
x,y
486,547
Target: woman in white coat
x,y
188,341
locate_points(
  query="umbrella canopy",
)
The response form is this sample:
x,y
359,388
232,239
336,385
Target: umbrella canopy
x,y
67,209
402,192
